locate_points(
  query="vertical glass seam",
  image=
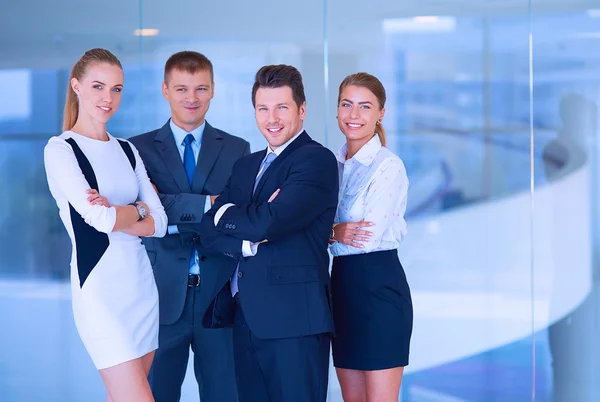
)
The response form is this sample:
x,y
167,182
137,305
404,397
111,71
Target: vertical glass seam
x,y
532,204
325,74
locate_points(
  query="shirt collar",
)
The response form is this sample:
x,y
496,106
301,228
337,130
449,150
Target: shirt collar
x,y
281,148
365,155
180,134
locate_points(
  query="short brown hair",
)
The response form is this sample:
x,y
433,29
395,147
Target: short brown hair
x,y
190,62
372,83
277,76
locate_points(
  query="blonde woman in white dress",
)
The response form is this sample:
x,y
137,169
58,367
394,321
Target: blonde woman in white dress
x,y
106,202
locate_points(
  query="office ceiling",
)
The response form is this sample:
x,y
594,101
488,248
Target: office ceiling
x,y
54,33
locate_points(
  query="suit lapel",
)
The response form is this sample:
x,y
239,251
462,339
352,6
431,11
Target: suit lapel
x,y
212,142
165,144
297,143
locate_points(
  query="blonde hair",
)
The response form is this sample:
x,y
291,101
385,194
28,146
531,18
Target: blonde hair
x,y
91,57
373,84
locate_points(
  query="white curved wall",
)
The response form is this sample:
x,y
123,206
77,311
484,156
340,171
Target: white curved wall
x,y
471,276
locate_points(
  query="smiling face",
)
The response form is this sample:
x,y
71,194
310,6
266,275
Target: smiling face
x,y
99,91
189,96
358,113
278,117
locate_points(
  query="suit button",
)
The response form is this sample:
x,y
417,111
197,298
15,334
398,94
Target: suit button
x,y
193,218
233,226
240,274
203,258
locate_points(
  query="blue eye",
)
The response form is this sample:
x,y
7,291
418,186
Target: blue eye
x,y
345,104
119,89
98,86
365,107
180,89
201,89
282,107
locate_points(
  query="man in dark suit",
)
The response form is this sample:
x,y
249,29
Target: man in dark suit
x,y
188,161
274,218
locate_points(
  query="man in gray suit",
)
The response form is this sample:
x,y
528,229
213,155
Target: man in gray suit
x,y
188,161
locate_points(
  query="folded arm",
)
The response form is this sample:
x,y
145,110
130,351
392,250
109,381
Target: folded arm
x,y
206,234
385,201
65,175
155,224
309,190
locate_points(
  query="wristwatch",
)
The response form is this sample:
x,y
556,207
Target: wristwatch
x,y
332,234
141,210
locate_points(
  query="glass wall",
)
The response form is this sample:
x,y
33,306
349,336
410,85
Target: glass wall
x,y
493,106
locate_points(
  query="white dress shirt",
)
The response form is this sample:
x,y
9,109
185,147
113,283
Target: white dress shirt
x,y
373,187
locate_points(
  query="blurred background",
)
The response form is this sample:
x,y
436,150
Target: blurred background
x,y
492,105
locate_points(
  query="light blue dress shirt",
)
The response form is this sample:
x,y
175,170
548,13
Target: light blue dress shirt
x,y
373,187
179,134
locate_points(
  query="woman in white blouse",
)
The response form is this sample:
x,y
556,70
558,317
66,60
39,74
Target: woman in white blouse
x,y
106,201
371,299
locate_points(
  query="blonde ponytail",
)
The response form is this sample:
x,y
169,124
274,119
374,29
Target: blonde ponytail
x,y
71,108
380,131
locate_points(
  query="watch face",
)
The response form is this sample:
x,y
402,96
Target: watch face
x,y
141,210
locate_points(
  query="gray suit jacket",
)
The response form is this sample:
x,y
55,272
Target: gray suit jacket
x,y
185,206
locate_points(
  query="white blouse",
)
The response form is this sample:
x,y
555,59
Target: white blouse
x,y
373,187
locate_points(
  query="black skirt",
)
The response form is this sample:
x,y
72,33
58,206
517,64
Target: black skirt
x,y
372,311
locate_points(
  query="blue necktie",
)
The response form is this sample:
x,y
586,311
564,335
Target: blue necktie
x,y
189,163
263,168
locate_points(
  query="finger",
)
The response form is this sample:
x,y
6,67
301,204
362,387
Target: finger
x,y
92,191
361,238
363,233
274,195
357,245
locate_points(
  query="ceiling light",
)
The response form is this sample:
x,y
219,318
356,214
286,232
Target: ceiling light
x,y
146,32
420,24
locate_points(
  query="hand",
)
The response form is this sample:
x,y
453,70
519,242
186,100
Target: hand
x,y
97,199
274,195
351,232
213,198
155,188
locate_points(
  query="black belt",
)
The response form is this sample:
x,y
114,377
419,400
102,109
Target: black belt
x,y
193,280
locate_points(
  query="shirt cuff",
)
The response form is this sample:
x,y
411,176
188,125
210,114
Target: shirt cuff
x,y
221,211
249,249
172,229
207,204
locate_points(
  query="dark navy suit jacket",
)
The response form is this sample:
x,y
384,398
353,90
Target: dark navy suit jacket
x,y
184,205
285,288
